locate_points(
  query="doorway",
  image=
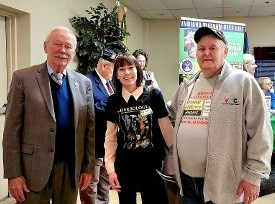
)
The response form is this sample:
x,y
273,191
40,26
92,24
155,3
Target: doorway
x,y
3,100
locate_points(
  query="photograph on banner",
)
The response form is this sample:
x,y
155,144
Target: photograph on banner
x,y
234,33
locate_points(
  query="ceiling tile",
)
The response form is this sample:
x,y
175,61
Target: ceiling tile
x,y
209,12
237,3
161,14
171,9
150,4
263,3
236,11
131,4
178,4
143,14
207,3
185,13
262,11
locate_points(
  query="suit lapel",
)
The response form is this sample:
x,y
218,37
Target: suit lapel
x,y
74,87
100,85
42,77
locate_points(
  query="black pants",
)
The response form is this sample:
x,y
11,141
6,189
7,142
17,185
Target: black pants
x,y
140,176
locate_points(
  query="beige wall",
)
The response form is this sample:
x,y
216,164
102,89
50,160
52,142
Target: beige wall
x,y
162,47
260,30
135,27
41,16
162,37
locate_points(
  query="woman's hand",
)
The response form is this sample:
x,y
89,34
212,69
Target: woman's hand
x,y
113,180
271,89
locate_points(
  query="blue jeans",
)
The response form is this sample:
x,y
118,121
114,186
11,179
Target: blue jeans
x,y
192,189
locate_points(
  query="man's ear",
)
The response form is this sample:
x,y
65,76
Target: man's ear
x,y
226,51
44,46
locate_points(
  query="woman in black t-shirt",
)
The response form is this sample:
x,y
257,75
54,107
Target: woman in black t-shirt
x,y
134,146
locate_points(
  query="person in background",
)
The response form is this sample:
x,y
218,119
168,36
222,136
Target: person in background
x,y
189,40
249,64
268,90
149,78
48,142
223,137
192,52
134,146
98,190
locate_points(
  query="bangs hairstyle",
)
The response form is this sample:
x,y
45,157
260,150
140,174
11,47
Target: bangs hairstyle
x,y
121,61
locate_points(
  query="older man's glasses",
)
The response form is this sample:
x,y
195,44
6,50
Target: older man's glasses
x,y
268,83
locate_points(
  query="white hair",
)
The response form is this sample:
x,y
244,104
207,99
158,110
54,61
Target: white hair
x,y
63,28
248,59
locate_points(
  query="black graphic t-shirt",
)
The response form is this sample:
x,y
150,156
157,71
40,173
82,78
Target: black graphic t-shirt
x,y
138,135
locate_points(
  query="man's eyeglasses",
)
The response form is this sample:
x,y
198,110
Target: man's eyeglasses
x,y
252,64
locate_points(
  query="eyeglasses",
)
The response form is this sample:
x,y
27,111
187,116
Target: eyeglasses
x,y
252,64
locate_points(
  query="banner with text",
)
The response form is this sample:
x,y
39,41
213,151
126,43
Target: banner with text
x,y
234,33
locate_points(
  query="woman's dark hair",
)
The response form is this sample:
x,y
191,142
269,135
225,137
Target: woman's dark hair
x,y
138,52
121,61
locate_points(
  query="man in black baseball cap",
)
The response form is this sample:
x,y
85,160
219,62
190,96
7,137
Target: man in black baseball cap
x,y
101,77
209,31
226,168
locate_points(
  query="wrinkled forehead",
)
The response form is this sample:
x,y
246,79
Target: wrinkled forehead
x,y
62,35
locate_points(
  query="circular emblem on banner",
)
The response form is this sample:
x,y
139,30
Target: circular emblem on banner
x,y
187,66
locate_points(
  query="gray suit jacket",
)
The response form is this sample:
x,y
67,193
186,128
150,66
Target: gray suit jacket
x,y
30,128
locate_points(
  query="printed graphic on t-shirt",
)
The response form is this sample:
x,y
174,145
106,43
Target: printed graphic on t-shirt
x,y
136,125
197,109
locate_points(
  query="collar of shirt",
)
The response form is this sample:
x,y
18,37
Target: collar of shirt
x,y
104,81
50,70
136,93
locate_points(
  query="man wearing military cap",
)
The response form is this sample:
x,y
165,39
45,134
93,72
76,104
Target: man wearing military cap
x,y
98,190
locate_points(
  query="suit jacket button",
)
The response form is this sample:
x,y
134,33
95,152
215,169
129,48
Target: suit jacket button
x,y
50,150
52,129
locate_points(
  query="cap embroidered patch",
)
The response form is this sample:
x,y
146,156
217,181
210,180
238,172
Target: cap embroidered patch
x,y
108,55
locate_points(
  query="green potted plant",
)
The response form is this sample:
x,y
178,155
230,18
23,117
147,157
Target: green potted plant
x,y
101,30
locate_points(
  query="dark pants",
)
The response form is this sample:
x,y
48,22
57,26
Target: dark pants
x,y
58,189
192,189
173,193
98,190
140,176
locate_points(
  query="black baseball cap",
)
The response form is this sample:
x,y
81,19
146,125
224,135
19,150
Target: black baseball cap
x,y
108,55
202,31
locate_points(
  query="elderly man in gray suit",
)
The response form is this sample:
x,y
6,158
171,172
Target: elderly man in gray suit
x,y
48,143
